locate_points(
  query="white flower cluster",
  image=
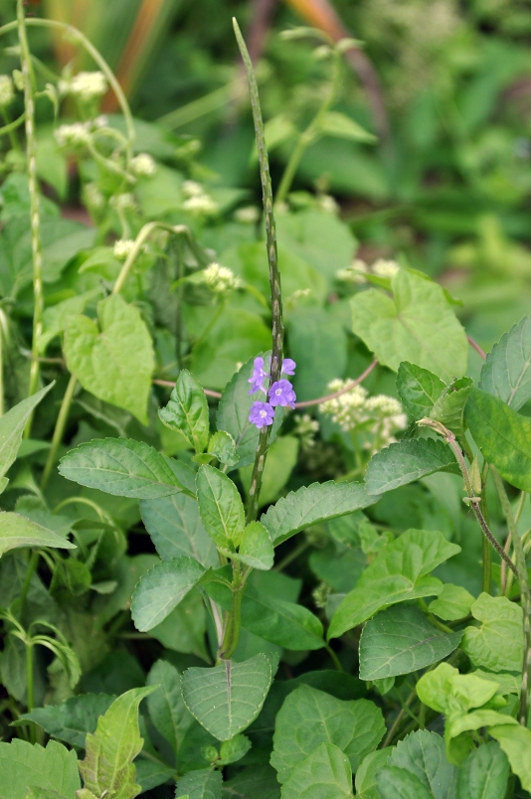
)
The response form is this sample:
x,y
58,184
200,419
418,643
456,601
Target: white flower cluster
x,y
305,428
123,248
356,273
123,202
92,197
248,215
197,201
220,279
85,85
7,91
380,416
143,166
76,134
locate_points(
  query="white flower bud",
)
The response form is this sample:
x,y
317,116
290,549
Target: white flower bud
x,y
123,248
143,165
7,91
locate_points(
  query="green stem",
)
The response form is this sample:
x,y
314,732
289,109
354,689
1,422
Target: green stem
x,y
32,565
335,658
3,331
232,630
10,127
59,430
29,680
524,592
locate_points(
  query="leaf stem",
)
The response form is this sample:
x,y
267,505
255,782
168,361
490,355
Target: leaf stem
x,y
59,429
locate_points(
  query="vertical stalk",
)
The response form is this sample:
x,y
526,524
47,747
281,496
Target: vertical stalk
x,y
59,430
277,325
35,222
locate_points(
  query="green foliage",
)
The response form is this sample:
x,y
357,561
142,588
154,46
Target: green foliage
x,y
406,461
496,645
187,411
36,771
18,531
159,591
12,426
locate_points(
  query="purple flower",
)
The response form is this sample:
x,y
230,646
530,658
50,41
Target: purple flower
x,y
261,414
288,366
258,376
281,393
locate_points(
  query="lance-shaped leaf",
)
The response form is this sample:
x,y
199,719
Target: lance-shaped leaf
x,y
220,506
225,699
71,720
418,389
406,461
324,773
506,373
109,752
113,360
12,426
187,411
31,770
311,504
398,573
18,531
401,328
159,591
123,467
503,436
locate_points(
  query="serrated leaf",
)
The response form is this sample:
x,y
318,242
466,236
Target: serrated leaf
x,y
423,754
503,436
454,602
225,699
256,549
418,389
12,425
365,780
398,783
159,591
401,328
220,506
18,531
484,774
123,467
405,461
515,741
204,783
311,504
450,406
114,361
324,773
309,717
506,373
401,640
398,573
497,645
341,126
223,447
187,411
175,527
110,751
167,710
258,782
25,766
71,720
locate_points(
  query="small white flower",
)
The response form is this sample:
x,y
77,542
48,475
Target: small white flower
x,y
92,197
191,188
143,165
85,85
220,279
201,205
123,202
123,248
74,135
355,273
101,121
248,215
384,268
7,91
328,204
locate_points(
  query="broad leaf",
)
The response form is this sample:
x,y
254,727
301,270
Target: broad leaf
x,y
166,708
406,461
423,754
449,409
394,782
18,531
159,591
187,411
484,774
371,764
398,573
24,767
71,720
220,506
110,751
223,447
454,602
123,467
506,372
324,773
225,699
401,328
258,782
256,549
311,504
12,425
515,741
204,783
497,645
446,690
401,640
309,717
418,389
113,360
503,436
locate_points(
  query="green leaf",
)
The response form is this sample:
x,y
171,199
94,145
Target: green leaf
x,y
223,447
401,328
166,708
159,591
503,436
71,720
497,645
309,717
187,411
202,784
401,640
450,406
256,549
123,467
447,691
233,750
18,531
175,527
281,460
110,751
515,741
55,316
225,699
422,753
506,373
24,766
398,573
114,361
484,774
183,630
318,344
398,783
258,782
365,780
220,506
343,127
324,773
454,602
12,426
418,389
311,504
406,461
